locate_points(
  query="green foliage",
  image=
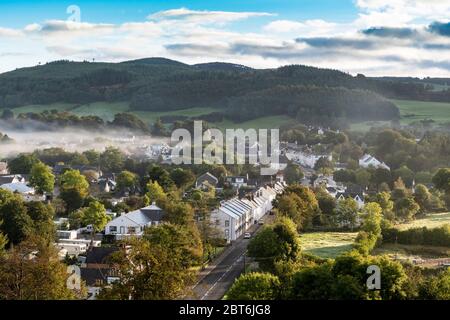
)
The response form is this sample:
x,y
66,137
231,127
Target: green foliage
x,y
442,179
293,173
126,180
22,164
346,213
255,286
274,243
112,160
148,271
370,232
41,278
155,193
42,178
95,215
298,203
419,236
74,189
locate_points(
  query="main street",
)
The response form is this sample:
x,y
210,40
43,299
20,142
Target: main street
x,y
226,269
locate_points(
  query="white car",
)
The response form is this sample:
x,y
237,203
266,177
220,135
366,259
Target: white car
x,y
247,235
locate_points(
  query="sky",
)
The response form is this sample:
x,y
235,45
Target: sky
x,y
373,37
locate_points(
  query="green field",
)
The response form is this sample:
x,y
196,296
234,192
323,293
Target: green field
x,y
327,244
107,110
431,221
411,111
418,110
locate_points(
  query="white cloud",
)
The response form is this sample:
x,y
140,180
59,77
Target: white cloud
x,y
204,16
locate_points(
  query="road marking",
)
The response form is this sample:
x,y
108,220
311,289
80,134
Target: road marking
x,y
225,273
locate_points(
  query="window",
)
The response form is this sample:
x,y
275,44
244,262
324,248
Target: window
x,y
131,230
227,223
112,229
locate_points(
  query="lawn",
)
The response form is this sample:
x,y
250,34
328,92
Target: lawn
x,y
152,116
419,110
327,244
42,108
431,221
104,110
272,122
412,252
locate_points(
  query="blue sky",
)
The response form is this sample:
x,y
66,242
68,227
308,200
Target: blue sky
x,y
374,37
22,12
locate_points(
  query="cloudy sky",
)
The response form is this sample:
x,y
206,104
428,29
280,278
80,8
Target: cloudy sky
x,y
374,37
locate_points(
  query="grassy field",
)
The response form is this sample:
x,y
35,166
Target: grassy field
x,y
431,221
327,244
411,252
411,111
107,110
104,110
418,110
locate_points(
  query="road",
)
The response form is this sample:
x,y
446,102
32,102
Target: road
x,y
217,282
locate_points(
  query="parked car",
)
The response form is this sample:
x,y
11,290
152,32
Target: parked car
x,y
247,235
261,222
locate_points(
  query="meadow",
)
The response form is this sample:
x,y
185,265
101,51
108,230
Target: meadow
x,y
327,244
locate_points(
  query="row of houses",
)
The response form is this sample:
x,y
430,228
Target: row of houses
x,y
234,217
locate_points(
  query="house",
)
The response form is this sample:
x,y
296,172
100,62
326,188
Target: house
x,y
3,168
205,180
12,178
306,158
235,216
97,270
354,192
107,185
73,250
329,185
369,161
135,222
27,193
237,181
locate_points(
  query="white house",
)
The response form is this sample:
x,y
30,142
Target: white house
x,y
135,222
358,197
369,161
306,159
72,249
234,217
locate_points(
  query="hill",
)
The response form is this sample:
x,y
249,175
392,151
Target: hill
x,y
237,92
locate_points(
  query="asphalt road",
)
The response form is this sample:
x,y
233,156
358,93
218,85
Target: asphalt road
x,y
217,282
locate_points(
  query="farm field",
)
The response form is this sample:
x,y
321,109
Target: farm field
x,y
272,122
327,244
431,221
419,110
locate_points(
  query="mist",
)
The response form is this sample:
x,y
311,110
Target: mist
x,y
76,140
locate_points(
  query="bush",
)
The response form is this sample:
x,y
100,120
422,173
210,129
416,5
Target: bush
x,y
419,236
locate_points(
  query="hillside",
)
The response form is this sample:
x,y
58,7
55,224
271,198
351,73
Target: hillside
x,y
238,92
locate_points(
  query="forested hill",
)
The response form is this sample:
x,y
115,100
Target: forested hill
x,y
237,91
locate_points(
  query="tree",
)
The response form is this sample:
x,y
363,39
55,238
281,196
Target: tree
x,y
126,180
42,216
442,179
346,213
293,173
279,241
406,208
386,204
7,115
112,160
22,164
42,178
255,286
33,271
148,272
370,232
423,198
179,240
182,178
436,287
74,189
323,163
16,223
362,177
155,193
298,203
95,215
156,173
406,174
158,129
